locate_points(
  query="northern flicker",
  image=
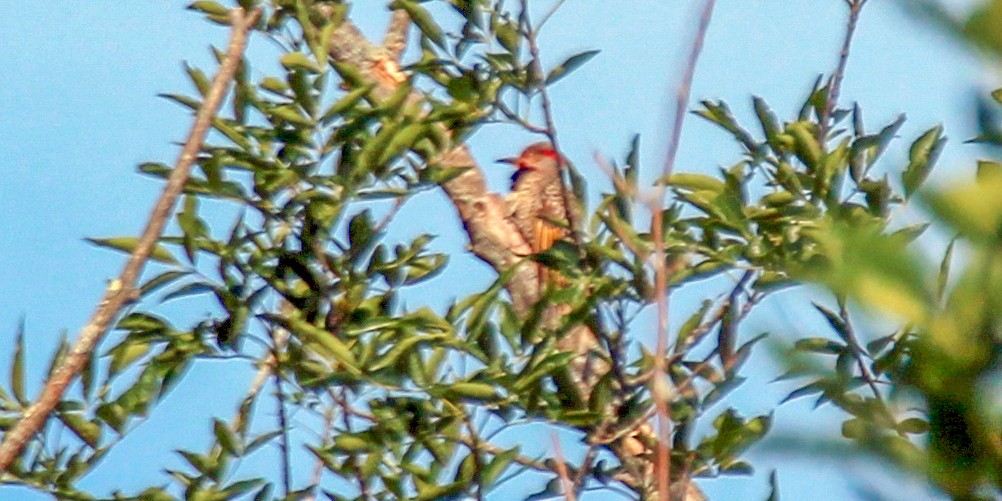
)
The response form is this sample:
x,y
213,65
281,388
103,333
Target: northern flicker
x,y
536,202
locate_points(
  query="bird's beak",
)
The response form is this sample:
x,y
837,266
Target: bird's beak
x,y
510,161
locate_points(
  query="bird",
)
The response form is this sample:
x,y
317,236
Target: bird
x,y
536,203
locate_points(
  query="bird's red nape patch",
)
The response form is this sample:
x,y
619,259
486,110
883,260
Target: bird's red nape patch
x,y
526,159
548,152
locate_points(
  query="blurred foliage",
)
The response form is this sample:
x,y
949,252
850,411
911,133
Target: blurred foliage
x,y
410,401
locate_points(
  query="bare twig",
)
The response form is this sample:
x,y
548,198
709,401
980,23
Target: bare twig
x,y
549,13
123,289
477,460
685,87
318,467
565,478
283,424
858,352
346,413
660,266
835,83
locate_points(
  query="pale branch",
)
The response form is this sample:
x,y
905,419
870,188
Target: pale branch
x,y
661,271
565,478
122,290
685,87
493,237
395,40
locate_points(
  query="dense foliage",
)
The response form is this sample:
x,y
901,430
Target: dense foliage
x,y
407,399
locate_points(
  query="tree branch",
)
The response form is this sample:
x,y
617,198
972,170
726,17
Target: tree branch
x,y
493,238
835,83
395,41
122,290
661,270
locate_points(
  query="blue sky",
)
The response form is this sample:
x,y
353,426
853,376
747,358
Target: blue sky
x,y
79,111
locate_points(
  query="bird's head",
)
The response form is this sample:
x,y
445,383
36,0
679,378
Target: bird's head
x,y
538,157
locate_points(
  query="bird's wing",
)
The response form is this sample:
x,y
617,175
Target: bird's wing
x,y
545,234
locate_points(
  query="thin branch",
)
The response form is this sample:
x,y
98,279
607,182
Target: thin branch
x,y
549,13
318,467
660,267
123,289
858,353
835,83
477,460
283,421
495,450
346,413
685,88
565,479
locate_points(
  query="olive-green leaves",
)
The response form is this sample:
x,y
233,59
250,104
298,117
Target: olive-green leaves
x,y
572,63
128,245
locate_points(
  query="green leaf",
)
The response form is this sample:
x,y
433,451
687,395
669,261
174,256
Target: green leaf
x,y
161,280
806,145
142,322
908,234
323,339
346,103
84,429
806,390
188,102
773,487
819,345
913,426
355,442
234,490
114,415
360,229
128,245
299,61
694,182
974,209
475,391
944,270
402,141
201,463
125,353
192,289
572,63
226,438
198,78
921,158
508,35
429,28
17,378
688,328
743,468
720,114
770,124
209,7
497,466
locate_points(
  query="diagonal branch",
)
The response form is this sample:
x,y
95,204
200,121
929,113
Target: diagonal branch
x,y
493,238
123,289
395,40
